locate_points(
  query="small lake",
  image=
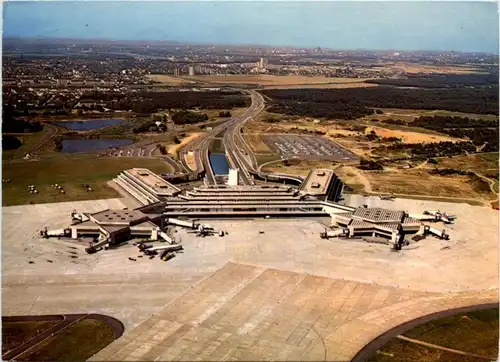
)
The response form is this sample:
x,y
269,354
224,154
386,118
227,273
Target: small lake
x,y
219,164
90,124
84,146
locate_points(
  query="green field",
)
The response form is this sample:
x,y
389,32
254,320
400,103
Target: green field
x,y
78,342
217,146
69,172
16,333
473,332
28,141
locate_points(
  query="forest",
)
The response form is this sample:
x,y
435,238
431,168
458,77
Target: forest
x,y
440,80
351,103
11,124
10,142
188,117
150,102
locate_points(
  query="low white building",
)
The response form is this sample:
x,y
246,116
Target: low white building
x,y
234,177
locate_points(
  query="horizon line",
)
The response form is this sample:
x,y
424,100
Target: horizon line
x,y
200,43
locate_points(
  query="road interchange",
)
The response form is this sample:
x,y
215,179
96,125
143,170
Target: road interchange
x,y
235,146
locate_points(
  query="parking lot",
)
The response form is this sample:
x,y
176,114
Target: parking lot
x,y
308,147
145,151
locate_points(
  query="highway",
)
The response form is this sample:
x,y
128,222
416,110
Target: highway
x,y
231,129
238,152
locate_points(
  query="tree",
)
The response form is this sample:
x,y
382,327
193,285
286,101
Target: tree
x,y
10,142
224,114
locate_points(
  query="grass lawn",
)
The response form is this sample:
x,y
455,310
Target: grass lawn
x,y
69,172
16,333
490,157
256,143
217,146
473,332
78,342
28,141
402,351
263,158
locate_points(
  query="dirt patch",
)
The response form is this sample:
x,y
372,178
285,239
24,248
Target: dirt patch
x,y
174,148
410,137
190,160
167,79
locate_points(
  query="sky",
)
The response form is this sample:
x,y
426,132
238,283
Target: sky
x,y
381,25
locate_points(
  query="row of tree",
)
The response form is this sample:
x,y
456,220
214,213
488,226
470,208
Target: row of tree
x,y
188,117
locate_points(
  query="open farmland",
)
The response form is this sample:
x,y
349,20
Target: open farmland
x,y
167,79
275,80
70,173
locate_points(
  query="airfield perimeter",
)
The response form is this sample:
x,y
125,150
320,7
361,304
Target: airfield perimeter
x,y
286,293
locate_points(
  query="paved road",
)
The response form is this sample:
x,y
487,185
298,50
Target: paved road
x,y
201,144
237,150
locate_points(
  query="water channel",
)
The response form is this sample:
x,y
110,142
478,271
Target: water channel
x,y
86,146
90,124
219,164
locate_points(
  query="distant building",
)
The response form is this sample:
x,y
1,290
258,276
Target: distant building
x,y
262,63
176,72
191,71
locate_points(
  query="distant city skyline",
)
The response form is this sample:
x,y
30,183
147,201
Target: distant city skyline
x,y
346,25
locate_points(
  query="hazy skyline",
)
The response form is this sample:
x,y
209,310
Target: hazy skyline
x,y
458,26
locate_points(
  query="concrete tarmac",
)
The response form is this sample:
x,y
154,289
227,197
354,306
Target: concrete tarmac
x,y
107,282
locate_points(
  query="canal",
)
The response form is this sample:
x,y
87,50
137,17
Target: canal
x,y
219,164
84,146
84,125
